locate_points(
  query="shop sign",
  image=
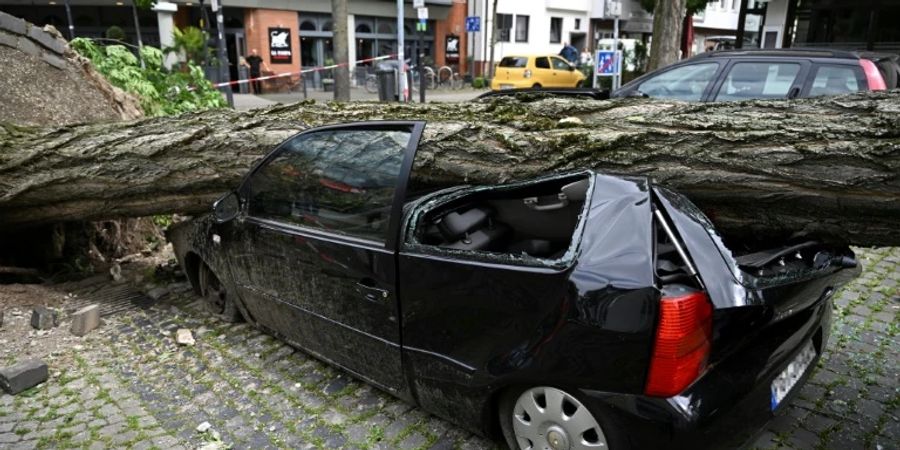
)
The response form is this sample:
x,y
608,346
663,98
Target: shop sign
x,y
451,51
280,46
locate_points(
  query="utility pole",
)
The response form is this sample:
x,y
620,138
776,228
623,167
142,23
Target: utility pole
x,y
71,24
421,26
223,56
341,52
493,40
137,29
401,69
616,10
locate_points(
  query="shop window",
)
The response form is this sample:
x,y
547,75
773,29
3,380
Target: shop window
x,y
327,26
363,28
308,25
385,28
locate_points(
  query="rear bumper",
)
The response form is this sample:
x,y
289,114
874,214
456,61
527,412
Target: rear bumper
x,y
729,404
498,84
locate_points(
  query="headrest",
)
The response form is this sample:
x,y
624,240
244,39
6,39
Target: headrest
x,y
577,191
456,225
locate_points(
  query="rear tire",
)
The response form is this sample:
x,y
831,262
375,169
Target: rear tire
x,y
574,422
216,298
536,86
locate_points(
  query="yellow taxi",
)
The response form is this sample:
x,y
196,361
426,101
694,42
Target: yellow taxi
x,y
535,71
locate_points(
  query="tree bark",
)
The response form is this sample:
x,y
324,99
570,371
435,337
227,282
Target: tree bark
x,y
341,52
826,167
667,19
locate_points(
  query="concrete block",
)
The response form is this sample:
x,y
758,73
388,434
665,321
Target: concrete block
x,y
85,320
44,318
12,23
46,39
24,375
8,40
26,46
54,60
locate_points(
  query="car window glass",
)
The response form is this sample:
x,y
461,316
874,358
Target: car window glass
x,y
681,83
341,181
834,80
748,80
514,61
541,63
559,64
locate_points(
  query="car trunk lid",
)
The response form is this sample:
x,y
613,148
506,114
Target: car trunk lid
x,y
787,277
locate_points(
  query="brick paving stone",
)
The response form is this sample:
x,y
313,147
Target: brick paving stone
x,y
259,393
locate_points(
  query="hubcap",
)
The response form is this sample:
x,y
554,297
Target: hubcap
x,y
546,418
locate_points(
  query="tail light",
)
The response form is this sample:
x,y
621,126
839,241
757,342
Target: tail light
x,y
873,76
682,344
527,73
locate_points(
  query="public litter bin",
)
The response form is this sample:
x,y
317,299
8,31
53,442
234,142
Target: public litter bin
x,y
387,85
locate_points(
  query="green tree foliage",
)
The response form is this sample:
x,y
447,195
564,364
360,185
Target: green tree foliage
x,y
162,92
191,41
693,6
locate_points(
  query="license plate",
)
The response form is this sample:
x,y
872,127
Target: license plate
x,y
785,381
506,86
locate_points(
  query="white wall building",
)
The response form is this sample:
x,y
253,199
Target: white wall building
x,y
530,27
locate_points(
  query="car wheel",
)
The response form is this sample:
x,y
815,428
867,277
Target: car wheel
x,y
216,297
536,86
546,417
579,84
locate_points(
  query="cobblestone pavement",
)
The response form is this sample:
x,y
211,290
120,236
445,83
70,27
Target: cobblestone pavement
x,y
131,386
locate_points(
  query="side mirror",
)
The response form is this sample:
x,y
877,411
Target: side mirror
x,y
571,68
227,207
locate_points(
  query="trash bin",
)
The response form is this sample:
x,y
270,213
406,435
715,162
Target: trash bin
x,y
387,85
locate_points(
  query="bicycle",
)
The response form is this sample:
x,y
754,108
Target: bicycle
x,y
448,78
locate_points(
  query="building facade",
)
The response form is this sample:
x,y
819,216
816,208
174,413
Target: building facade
x,y
840,24
528,27
289,35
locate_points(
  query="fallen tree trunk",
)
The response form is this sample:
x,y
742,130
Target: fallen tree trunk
x,y
827,167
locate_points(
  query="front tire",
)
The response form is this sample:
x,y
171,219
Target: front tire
x,y
216,297
545,417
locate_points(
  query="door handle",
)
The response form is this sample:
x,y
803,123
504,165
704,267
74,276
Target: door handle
x,y
366,287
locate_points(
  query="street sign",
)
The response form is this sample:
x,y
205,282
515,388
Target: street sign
x,y
418,3
606,63
473,24
423,13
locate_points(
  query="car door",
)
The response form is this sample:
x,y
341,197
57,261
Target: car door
x,y
543,72
313,253
761,79
563,75
690,82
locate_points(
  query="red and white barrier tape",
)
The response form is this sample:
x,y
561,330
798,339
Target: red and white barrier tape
x,y
314,69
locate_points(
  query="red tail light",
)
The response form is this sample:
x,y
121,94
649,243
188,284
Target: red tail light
x,y
682,344
873,76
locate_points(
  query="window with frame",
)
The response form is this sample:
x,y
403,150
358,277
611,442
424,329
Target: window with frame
x,y
835,80
555,30
521,28
340,181
749,80
559,64
686,82
504,25
541,63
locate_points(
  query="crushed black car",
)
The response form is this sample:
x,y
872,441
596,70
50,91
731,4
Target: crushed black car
x,y
576,310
